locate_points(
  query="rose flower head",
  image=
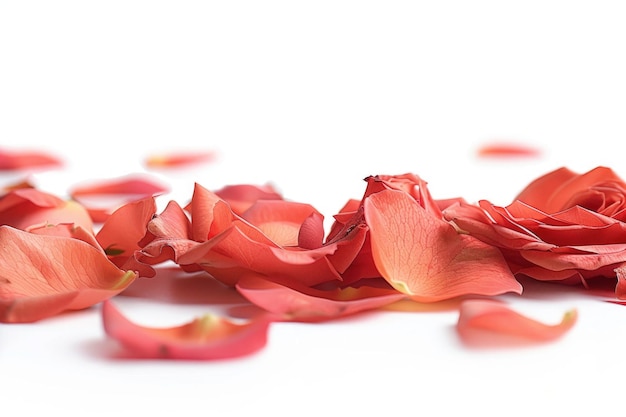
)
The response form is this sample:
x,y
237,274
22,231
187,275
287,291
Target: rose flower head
x,y
563,226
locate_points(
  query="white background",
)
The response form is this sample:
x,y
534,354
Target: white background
x,y
313,97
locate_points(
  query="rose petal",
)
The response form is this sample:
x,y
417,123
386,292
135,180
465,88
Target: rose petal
x,y
491,323
279,220
26,208
241,196
103,197
17,160
507,150
126,227
178,160
206,338
43,275
426,258
300,303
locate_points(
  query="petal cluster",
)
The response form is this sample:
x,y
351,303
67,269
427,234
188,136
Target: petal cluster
x,y
563,226
396,244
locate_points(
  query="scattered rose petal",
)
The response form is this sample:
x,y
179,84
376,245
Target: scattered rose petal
x,y
26,159
491,323
25,208
242,196
424,257
177,160
309,304
205,338
507,150
43,275
103,197
121,233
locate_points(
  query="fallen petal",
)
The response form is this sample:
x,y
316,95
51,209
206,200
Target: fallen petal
x,y
101,198
177,160
491,323
205,338
425,258
507,150
300,303
18,160
43,275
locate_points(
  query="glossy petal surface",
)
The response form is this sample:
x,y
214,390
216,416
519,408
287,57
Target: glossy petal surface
x,y
206,338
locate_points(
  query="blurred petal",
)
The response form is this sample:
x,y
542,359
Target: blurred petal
x,y
300,303
206,338
103,197
424,257
19,160
507,150
42,275
177,160
491,323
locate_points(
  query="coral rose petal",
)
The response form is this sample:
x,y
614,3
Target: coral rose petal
x,y
42,275
241,196
127,185
206,338
178,159
491,323
300,303
26,208
125,228
424,257
507,150
19,160
280,220
103,197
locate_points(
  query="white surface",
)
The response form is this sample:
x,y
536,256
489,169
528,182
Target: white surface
x,y
313,97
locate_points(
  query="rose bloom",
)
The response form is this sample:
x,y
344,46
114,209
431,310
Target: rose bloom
x,y
563,226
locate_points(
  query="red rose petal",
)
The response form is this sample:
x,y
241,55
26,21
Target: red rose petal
x,y
491,323
206,338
